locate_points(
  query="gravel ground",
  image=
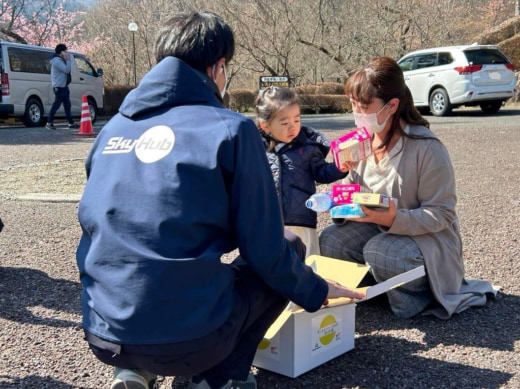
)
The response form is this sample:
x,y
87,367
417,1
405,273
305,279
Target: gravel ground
x,y
41,343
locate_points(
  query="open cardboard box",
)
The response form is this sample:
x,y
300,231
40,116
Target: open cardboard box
x,y
298,341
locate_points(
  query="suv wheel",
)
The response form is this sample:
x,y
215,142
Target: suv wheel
x,y
491,106
33,116
440,103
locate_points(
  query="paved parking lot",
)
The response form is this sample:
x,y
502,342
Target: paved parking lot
x,y
41,343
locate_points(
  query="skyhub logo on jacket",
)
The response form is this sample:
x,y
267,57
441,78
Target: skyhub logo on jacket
x,y
155,144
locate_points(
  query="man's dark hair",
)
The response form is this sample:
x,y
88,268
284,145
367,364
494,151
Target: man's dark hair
x,y
59,48
200,39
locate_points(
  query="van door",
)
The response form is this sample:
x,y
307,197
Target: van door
x,y
75,88
85,81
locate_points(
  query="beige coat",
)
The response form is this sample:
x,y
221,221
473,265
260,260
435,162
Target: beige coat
x,y
425,189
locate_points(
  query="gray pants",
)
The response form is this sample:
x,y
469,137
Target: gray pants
x,y
387,254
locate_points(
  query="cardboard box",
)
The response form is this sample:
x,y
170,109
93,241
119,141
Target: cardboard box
x,y
299,341
372,200
342,193
353,146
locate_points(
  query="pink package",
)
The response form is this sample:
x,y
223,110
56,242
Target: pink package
x,y
353,146
342,193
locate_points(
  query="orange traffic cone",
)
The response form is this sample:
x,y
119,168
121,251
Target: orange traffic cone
x,y
85,126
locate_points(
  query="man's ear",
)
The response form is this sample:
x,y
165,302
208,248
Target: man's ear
x,y
220,64
218,68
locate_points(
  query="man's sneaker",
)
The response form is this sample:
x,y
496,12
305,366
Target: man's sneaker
x,y
250,383
73,125
133,379
200,383
50,126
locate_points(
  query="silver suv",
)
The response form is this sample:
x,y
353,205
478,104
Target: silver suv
x,y
444,78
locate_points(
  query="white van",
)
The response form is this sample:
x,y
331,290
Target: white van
x,y
26,84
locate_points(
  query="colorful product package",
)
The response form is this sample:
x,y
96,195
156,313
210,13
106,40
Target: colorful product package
x,y
342,193
353,146
346,211
372,200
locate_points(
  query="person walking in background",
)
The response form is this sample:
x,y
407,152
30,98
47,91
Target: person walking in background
x,y
60,80
411,165
296,155
174,181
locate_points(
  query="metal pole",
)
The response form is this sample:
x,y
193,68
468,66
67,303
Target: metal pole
x,y
133,44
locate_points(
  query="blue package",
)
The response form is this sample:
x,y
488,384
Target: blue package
x,y
348,211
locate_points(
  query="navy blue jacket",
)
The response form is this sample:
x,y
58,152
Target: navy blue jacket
x,y
296,167
176,180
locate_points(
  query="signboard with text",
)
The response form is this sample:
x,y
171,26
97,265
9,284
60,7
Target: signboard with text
x,y
267,81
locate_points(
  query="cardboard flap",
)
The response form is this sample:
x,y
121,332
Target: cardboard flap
x,y
346,273
394,282
278,324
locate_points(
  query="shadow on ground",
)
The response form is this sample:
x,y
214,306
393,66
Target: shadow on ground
x,y
23,288
33,381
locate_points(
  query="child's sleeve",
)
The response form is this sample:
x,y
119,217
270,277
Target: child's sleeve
x,y
322,171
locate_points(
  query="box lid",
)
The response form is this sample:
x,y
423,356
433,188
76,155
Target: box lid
x,y
348,274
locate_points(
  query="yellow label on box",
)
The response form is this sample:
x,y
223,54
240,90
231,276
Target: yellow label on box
x,y
371,199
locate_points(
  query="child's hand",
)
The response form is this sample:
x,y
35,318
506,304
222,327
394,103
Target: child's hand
x,y
348,166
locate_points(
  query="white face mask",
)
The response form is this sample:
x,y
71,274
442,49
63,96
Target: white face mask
x,y
369,121
223,90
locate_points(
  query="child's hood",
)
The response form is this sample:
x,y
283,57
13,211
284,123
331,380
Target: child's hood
x,y
311,135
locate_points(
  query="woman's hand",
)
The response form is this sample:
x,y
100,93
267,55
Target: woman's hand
x,y
381,217
337,290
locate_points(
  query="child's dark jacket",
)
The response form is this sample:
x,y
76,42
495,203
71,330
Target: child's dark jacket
x,y
296,167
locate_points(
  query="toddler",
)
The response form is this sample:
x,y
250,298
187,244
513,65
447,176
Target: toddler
x,y
296,155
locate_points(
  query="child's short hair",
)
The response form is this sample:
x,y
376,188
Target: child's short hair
x,y
271,100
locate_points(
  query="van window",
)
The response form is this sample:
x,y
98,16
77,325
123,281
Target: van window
x,y
29,61
84,66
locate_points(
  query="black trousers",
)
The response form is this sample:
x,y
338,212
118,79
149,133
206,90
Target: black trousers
x,y
62,96
222,355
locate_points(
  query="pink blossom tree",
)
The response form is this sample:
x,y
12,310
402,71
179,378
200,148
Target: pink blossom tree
x,y
46,25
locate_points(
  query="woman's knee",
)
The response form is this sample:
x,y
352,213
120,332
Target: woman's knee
x,y
389,255
330,242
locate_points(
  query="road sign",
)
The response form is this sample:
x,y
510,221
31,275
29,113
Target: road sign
x,y
266,81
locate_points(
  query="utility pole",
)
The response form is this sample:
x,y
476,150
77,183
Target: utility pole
x,y
133,28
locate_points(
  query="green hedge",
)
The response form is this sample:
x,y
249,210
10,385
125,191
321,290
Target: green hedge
x,y
325,104
330,88
306,89
114,96
242,100
327,97
321,98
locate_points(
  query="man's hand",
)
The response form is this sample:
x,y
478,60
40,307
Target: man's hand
x,y
337,290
